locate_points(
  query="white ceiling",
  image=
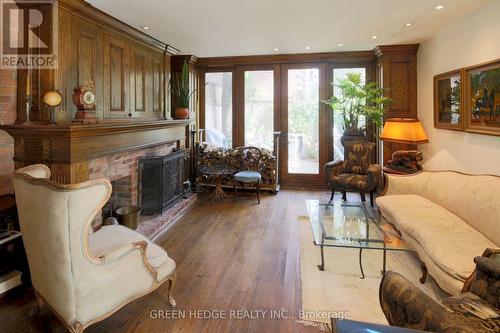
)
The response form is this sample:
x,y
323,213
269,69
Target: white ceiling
x,y
243,27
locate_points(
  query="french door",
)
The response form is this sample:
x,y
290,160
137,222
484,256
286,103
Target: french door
x,y
304,125
258,99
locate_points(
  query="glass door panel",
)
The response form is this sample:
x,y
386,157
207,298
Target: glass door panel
x,y
219,108
338,125
259,108
303,121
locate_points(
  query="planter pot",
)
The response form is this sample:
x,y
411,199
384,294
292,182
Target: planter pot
x,y
350,138
181,113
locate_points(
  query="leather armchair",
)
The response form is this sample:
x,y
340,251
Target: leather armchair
x,y
474,311
355,173
84,277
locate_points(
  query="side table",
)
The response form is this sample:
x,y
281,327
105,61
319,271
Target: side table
x,y
218,171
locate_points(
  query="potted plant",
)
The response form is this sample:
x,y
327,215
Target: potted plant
x,y
358,99
181,92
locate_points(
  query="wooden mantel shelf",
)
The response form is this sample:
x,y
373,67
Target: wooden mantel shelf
x,y
67,147
75,129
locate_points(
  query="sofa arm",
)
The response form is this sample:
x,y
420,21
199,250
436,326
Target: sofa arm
x,y
405,305
405,184
334,168
374,174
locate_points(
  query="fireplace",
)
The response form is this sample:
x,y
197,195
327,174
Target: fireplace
x,y
160,182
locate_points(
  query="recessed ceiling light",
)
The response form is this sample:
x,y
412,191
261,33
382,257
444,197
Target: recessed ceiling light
x,y
340,44
409,24
308,47
146,28
439,7
276,49
374,37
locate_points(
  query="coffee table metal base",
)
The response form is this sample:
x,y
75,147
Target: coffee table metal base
x,y
321,266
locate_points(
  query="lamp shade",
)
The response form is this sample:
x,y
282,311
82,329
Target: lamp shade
x,y
52,98
404,130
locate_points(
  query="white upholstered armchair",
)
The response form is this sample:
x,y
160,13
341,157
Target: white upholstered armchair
x,y
83,277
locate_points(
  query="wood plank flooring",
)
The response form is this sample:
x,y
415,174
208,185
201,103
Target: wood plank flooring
x,y
230,257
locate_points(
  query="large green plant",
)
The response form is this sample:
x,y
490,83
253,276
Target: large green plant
x,y
180,87
357,99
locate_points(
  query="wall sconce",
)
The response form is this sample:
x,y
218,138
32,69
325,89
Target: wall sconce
x,y
53,99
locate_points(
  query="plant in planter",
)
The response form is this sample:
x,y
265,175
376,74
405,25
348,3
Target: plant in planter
x,y
356,100
181,92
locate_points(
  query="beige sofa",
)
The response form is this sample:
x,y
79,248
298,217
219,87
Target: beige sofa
x,y
447,217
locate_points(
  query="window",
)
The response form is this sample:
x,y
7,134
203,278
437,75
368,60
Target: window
x,y
338,126
259,108
219,108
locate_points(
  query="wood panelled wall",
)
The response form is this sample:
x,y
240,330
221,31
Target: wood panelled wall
x,y
129,69
397,72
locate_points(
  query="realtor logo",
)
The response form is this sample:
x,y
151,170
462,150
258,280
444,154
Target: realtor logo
x,y
29,34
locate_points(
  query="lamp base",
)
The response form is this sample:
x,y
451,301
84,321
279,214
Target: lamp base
x,y
407,161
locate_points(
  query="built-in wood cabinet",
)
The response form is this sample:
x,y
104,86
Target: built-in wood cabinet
x,y
397,73
128,69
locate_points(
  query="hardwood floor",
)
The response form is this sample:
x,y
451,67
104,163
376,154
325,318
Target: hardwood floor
x,y
230,257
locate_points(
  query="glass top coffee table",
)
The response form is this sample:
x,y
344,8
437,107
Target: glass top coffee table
x,y
352,225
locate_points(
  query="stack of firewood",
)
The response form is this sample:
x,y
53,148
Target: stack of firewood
x,y
210,155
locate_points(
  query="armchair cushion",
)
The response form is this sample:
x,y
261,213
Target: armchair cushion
x,y
112,242
357,159
351,181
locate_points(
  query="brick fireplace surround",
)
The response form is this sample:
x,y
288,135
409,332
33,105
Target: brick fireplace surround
x,y
122,170
111,149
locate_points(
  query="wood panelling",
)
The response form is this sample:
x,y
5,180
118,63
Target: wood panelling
x,y
116,74
330,57
127,67
397,72
141,82
89,58
158,82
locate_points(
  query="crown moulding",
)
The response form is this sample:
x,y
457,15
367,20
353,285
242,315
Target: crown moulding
x,y
89,12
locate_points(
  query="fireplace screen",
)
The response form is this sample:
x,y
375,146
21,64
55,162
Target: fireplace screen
x,y
160,182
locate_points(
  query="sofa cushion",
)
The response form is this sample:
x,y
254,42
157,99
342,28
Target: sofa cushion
x,y
448,240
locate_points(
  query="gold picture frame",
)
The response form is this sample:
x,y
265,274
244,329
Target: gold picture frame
x,y
482,98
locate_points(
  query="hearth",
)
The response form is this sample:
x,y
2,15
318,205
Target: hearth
x,y
160,182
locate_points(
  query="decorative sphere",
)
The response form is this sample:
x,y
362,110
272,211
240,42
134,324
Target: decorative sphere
x,y
52,98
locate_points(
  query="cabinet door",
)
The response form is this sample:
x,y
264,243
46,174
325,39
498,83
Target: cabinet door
x,y
141,82
89,61
158,84
116,78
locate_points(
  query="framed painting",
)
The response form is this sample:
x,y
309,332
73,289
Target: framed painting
x,y
448,100
482,98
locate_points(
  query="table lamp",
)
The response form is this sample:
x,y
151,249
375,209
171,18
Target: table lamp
x,y
53,99
405,131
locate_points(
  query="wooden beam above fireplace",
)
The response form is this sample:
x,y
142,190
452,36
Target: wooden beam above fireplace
x,y
68,147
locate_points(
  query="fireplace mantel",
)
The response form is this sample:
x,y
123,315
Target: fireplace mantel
x,y
67,147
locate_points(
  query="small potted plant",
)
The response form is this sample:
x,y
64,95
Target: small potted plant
x,y
358,99
181,92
